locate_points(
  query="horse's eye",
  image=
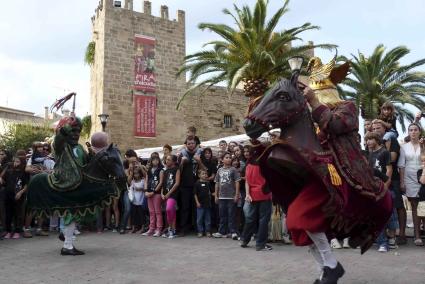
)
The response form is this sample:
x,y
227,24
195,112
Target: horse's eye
x,y
284,96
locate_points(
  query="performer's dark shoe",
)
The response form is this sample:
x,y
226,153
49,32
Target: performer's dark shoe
x,y
61,237
80,252
72,251
331,275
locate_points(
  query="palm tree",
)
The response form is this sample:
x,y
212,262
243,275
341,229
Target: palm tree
x,y
252,52
380,78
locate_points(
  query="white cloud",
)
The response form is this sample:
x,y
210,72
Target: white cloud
x,y
31,85
43,43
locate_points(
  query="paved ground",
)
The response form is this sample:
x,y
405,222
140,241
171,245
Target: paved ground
x,y
114,258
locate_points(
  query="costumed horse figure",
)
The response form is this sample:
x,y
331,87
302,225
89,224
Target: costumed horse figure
x,y
80,184
102,178
310,181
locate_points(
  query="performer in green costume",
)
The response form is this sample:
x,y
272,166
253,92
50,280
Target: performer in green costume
x,y
80,184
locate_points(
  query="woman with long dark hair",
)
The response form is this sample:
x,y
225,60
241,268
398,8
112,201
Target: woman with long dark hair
x,y
210,163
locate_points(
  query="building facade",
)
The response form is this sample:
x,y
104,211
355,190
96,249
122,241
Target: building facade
x,y
214,114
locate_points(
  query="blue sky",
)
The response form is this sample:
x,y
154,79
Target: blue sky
x,y
43,42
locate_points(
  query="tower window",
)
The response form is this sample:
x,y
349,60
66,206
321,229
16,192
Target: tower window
x,y
228,121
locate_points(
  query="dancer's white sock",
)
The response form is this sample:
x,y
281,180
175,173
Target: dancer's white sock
x,y
322,244
317,256
68,232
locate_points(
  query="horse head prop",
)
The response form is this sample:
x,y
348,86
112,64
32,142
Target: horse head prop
x,y
281,106
284,106
107,164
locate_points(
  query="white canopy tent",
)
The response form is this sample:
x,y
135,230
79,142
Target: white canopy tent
x,y
213,144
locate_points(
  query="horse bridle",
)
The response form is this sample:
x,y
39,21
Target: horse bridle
x,y
287,118
99,164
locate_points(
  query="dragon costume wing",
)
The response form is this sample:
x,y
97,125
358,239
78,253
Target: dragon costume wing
x,y
339,73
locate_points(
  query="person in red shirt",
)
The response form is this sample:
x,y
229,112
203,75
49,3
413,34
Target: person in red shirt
x,y
258,205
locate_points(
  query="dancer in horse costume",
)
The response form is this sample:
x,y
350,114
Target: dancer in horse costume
x,y
322,180
80,184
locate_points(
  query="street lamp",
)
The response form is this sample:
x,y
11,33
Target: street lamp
x,y
295,63
103,120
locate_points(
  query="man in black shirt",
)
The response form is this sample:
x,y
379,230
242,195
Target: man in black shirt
x,y
188,167
392,145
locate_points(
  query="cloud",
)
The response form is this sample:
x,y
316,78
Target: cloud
x,y
43,42
31,86
46,31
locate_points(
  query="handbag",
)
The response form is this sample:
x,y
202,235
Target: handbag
x,y
275,233
421,209
130,192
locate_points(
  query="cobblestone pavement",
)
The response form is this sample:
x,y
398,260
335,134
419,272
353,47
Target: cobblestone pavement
x,y
114,258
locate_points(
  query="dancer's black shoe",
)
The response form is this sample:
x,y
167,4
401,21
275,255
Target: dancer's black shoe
x,y
72,251
331,275
80,252
61,237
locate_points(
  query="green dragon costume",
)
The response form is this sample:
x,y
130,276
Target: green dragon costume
x,y
80,183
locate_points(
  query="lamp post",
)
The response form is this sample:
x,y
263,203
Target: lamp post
x,y
103,120
295,63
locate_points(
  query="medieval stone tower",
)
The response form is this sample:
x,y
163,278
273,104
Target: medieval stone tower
x,y
133,80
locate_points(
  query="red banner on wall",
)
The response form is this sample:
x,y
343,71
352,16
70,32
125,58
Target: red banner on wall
x,y
145,116
144,64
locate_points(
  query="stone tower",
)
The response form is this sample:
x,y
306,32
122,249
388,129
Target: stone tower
x,y
113,72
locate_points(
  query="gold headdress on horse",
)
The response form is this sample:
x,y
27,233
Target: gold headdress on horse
x,y
324,78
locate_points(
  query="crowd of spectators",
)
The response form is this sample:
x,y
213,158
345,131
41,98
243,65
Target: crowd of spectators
x,y
399,163
217,193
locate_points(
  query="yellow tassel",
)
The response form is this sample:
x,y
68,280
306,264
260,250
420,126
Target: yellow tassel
x,y
317,130
335,178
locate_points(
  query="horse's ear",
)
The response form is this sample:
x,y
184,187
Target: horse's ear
x,y
294,78
110,146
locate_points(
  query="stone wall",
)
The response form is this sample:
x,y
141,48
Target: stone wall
x,y
206,112
112,76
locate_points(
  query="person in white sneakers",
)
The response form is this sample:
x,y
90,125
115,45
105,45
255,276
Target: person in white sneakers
x,y
226,196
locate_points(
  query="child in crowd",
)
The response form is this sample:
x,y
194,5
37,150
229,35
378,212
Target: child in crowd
x,y
191,133
153,154
131,162
153,193
222,145
220,160
231,147
239,205
15,180
380,160
236,164
203,204
169,193
39,156
388,115
238,153
35,165
210,163
166,150
227,195
138,186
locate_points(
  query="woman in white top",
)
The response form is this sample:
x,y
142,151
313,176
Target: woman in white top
x,y
409,163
